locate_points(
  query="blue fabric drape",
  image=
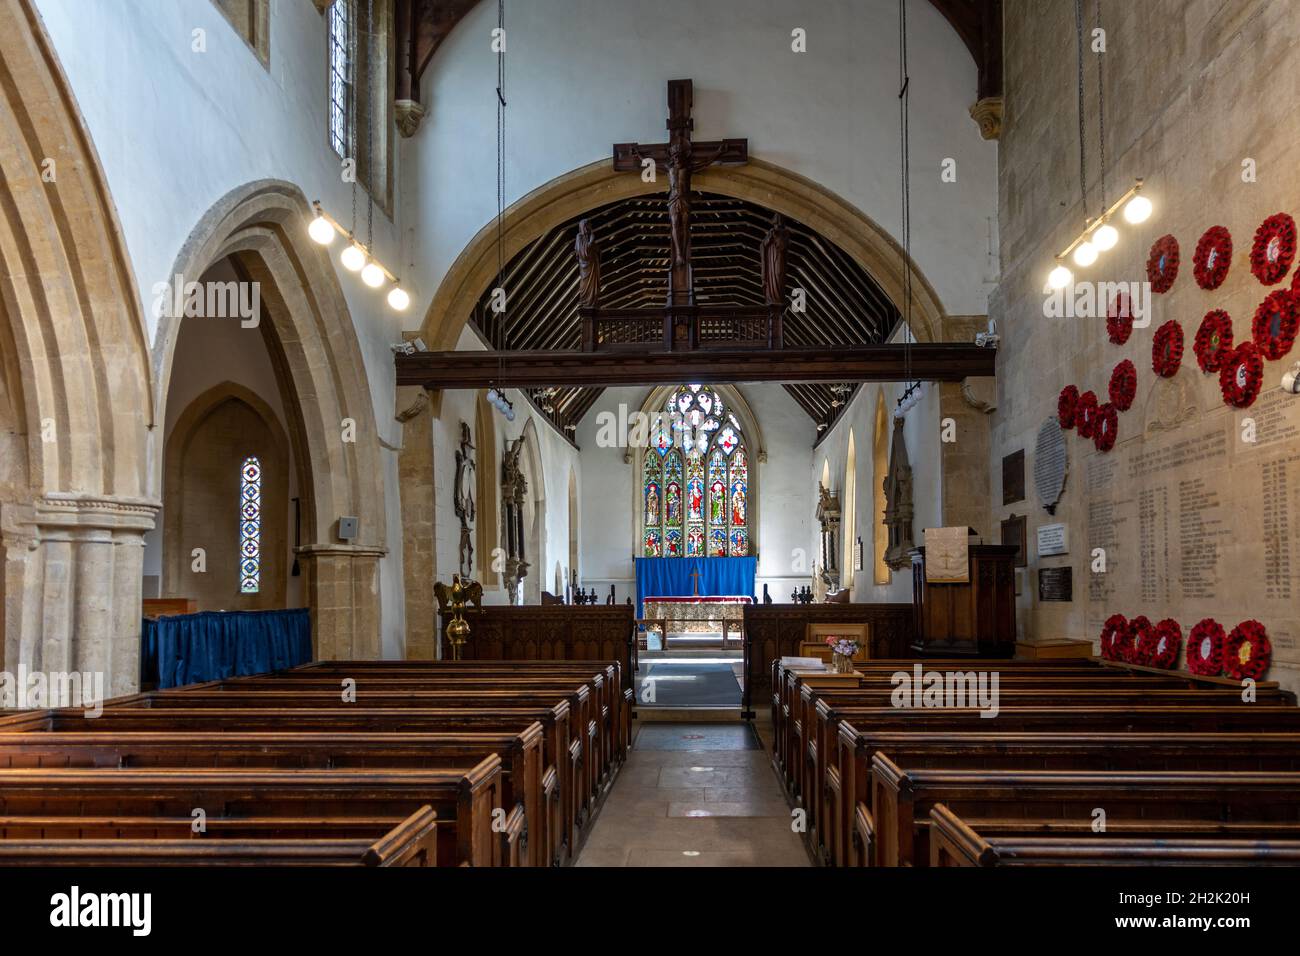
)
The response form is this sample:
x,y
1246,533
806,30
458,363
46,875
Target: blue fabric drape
x,y
191,648
672,577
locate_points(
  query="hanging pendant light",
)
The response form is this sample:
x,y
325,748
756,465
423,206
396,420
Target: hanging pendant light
x,y
398,300
372,275
353,258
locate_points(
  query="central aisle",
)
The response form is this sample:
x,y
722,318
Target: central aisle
x,y
695,795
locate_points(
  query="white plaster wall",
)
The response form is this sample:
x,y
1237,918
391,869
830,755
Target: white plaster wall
x,y
921,434
584,74
176,130
608,531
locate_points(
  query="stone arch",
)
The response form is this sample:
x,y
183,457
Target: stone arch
x,y
849,513
879,470
753,433
76,498
530,462
488,504
596,184
262,228
275,459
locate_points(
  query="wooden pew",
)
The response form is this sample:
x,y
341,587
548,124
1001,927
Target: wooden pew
x,y
901,796
521,755
1063,750
463,799
557,775
410,842
583,742
954,842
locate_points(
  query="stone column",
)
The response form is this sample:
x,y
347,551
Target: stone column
x,y
341,582
73,585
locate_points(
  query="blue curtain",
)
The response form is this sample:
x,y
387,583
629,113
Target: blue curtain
x,y
672,577
191,648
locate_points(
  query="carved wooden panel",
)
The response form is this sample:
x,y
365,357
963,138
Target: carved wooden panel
x,y
776,630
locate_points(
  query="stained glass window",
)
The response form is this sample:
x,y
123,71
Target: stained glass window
x,y
250,526
695,480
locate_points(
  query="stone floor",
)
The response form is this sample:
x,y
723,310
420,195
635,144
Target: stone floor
x,y
695,795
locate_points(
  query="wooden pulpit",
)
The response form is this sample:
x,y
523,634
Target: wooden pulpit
x,y
975,618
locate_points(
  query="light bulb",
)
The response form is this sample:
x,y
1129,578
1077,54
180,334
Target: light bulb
x,y
321,230
352,258
373,276
1060,277
1085,254
1138,209
398,299
510,414
1105,237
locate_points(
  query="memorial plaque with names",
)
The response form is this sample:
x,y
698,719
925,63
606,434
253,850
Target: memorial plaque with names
x,y
1013,477
1015,531
1052,539
1050,464
1056,584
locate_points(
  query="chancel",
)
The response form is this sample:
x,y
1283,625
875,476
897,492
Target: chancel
x,y
584,494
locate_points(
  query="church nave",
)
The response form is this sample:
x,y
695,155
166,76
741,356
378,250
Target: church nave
x,y
695,795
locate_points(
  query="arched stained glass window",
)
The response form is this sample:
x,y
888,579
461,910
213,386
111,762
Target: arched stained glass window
x,y
695,482
250,526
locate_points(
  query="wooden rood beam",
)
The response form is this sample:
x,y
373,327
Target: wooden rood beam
x,y
930,362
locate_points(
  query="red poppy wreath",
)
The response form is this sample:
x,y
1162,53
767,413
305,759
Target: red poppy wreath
x,y
1085,414
1161,644
1067,405
1273,249
1205,648
1139,630
1119,319
1275,323
1162,263
1116,626
1213,342
1247,652
1241,376
1212,258
1167,349
1105,427
1123,385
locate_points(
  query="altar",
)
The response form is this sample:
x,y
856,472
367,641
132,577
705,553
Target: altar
x,y
694,595
694,615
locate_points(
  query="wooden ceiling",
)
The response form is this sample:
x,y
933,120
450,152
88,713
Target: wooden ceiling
x,y
844,305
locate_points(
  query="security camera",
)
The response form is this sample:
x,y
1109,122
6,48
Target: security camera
x,y
1291,380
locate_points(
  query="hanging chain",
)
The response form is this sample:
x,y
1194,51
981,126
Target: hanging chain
x,y
1101,117
370,126
1078,40
906,184
351,132
501,178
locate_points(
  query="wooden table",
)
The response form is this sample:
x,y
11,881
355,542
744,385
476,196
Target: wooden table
x,y
694,614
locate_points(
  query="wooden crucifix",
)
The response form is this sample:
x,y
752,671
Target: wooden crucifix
x,y
695,582
680,158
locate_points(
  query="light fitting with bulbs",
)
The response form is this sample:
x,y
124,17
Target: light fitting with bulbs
x,y
324,229
1099,235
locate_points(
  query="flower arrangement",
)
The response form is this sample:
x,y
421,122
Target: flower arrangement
x,y
1205,648
1213,257
1162,263
1273,249
1123,385
1067,405
1085,414
1139,635
842,651
1161,644
1105,427
1112,631
1247,652
1167,349
1213,342
1275,323
1241,376
1119,319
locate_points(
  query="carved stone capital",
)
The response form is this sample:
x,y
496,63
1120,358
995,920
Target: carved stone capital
x,y
987,113
408,114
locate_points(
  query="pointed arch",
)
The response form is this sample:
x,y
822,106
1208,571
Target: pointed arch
x,y
262,227
879,471
849,513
